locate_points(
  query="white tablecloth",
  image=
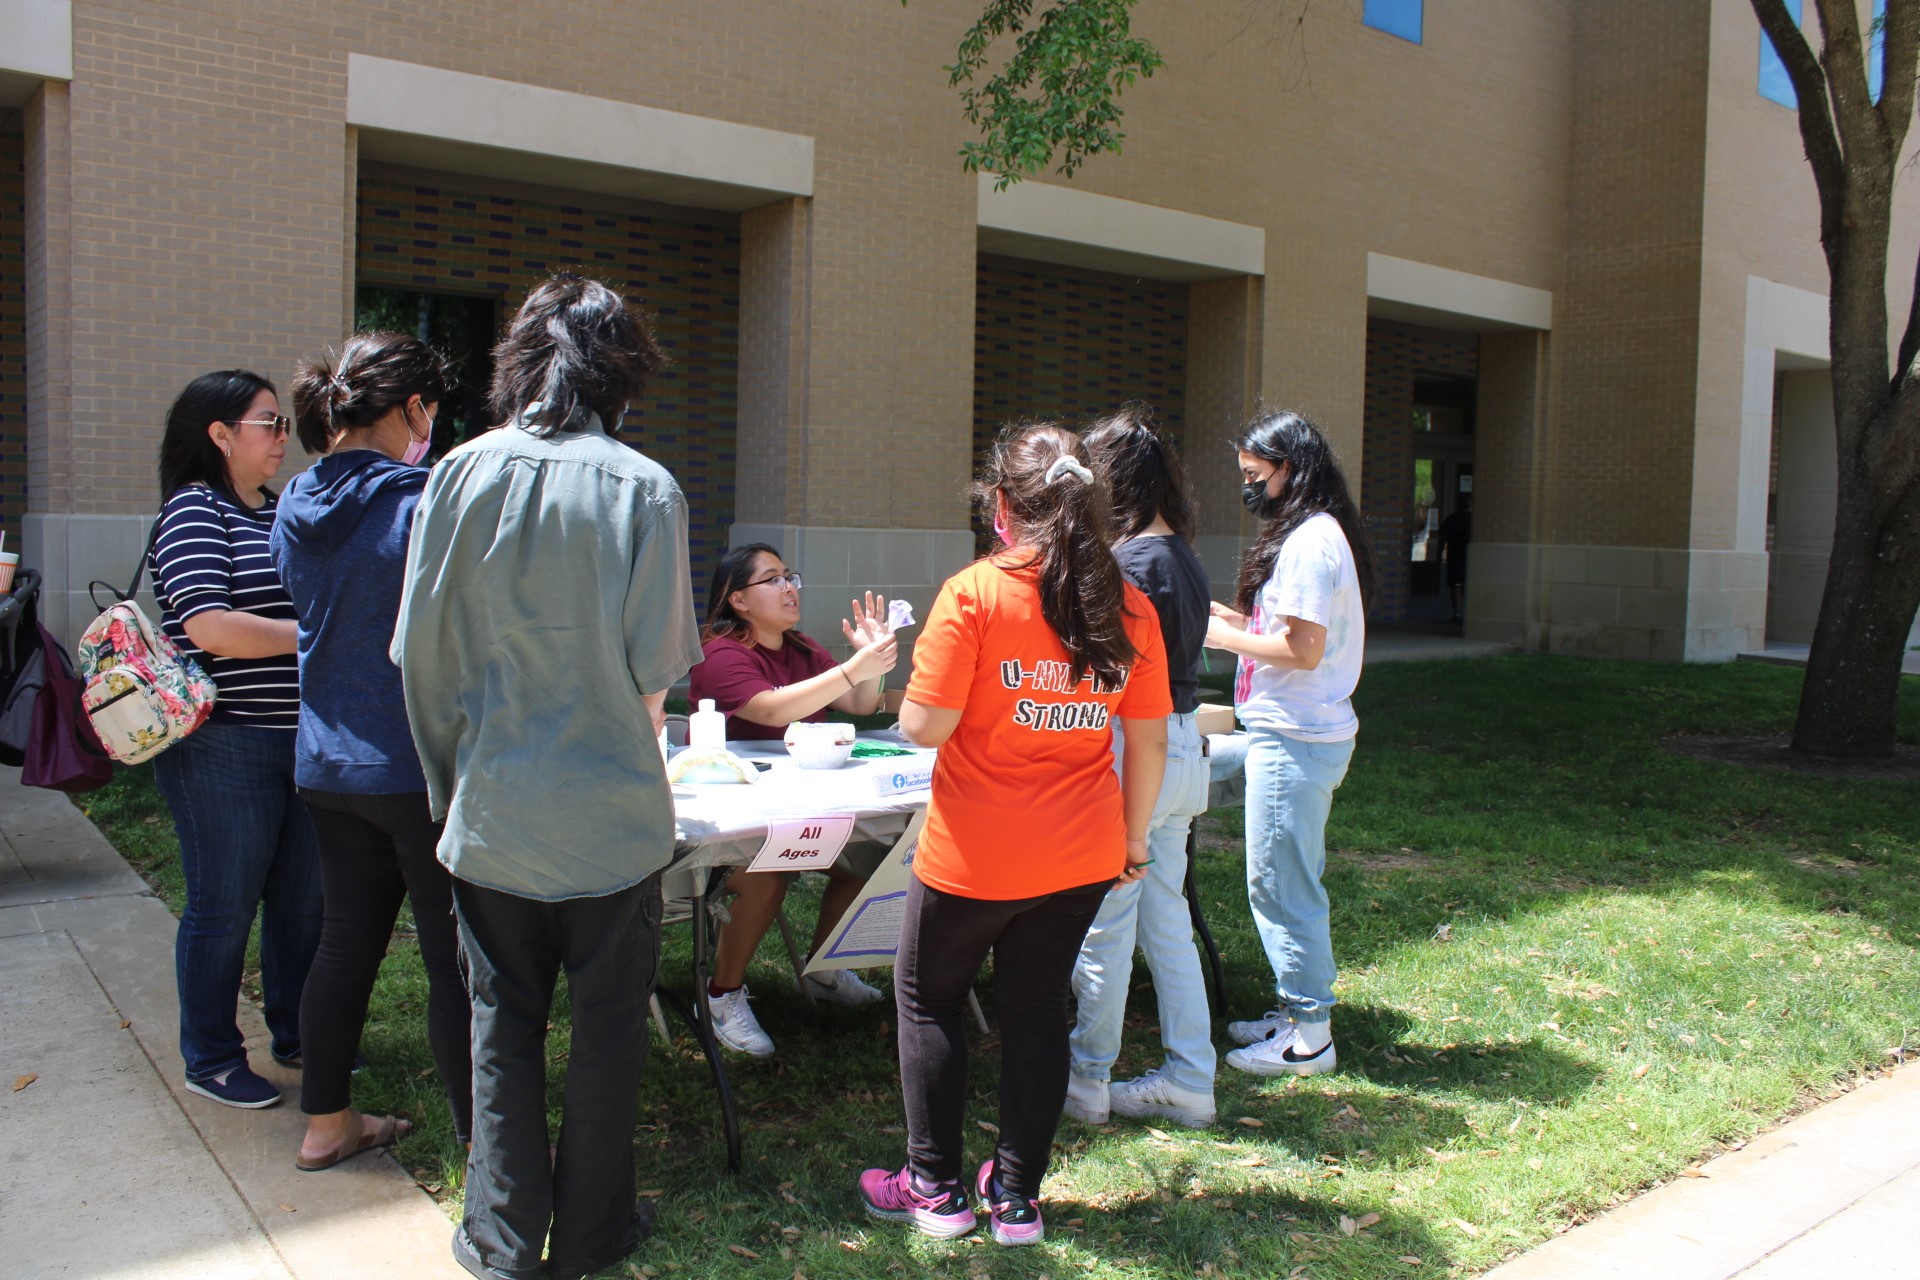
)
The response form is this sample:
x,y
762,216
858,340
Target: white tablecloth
x,y
724,826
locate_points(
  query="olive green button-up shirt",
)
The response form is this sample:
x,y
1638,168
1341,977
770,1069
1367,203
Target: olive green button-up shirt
x,y
547,589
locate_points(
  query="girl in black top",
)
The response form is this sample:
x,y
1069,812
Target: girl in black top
x,y
1154,524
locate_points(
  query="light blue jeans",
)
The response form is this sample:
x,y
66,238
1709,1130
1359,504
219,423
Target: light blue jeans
x,y
1151,912
1290,786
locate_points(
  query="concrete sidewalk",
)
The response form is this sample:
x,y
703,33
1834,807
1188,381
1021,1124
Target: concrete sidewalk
x,y
108,1167
1833,1195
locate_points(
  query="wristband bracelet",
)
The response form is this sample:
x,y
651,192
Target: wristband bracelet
x,y
845,676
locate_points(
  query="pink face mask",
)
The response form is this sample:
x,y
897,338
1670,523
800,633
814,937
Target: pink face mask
x,y
417,449
1000,528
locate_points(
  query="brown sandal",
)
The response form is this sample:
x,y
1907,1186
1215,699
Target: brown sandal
x,y
390,1130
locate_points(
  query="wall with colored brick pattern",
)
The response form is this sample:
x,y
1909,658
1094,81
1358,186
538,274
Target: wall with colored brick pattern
x,y
453,235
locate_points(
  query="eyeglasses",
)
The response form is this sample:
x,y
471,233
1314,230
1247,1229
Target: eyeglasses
x,y
280,424
778,579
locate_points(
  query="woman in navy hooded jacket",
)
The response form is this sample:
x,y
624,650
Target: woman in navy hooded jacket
x,y
340,544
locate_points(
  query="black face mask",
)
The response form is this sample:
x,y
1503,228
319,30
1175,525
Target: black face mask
x,y
1253,496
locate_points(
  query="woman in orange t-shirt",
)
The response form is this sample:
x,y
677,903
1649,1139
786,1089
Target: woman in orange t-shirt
x,y
1025,658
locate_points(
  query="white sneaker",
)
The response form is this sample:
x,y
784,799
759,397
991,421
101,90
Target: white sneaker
x,y
1155,1095
736,1027
1283,1054
1086,1100
1257,1029
840,986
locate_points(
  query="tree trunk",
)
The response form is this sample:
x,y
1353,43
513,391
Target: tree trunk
x,y
1850,703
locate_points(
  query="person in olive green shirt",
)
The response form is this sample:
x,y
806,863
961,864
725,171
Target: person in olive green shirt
x,y
548,609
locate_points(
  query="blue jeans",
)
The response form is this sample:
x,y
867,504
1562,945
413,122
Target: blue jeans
x,y
1290,786
1152,913
245,844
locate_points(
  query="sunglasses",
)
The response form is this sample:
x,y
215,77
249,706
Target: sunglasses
x,y
280,424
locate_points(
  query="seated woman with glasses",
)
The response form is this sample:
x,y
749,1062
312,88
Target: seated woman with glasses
x,y
765,675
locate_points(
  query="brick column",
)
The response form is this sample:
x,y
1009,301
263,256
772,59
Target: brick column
x,y
1223,382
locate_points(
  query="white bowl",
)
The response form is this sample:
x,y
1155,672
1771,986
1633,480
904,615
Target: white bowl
x,y
819,746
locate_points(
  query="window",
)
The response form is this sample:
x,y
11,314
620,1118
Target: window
x,y
1775,86
1877,50
1395,17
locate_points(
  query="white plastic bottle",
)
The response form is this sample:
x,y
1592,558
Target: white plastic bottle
x,y
706,728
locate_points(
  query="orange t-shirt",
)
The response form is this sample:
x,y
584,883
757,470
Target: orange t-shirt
x,y
1025,797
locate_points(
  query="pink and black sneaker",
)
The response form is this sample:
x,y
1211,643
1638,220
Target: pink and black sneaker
x,y
942,1213
1014,1221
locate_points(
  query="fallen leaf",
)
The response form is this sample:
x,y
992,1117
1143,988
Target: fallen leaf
x,y
1347,1225
1411,1261
1641,1070
1467,1227
1692,1173
287,1208
1367,1220
1248,1121
1158,1134
743,1251
23,1082
989,1127
1536,1164
125,1023
651,1194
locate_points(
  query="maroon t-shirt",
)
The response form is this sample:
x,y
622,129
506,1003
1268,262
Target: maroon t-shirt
x,y
733,673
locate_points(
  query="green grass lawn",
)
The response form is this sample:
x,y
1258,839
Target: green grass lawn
x,y
1572,965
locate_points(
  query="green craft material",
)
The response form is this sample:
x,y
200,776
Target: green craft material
x,y
877,750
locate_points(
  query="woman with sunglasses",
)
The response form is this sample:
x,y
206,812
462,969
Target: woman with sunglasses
x,y
765,675
246,845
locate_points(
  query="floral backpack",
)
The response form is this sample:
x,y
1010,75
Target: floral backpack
x,y
141,693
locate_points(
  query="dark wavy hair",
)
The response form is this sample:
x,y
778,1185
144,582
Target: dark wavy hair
x,y
732,574
1316,484
373,374
1081,589
1141,472
575,348
187,454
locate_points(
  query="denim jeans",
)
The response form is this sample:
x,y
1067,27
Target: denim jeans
x,y
514,949
1290,786
246,848
944,939
1152,913
377,851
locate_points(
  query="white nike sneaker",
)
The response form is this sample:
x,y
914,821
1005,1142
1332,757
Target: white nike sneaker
x,y
1257,1029
1086,1100
1283,1054
735,1026
840,986
1155,1095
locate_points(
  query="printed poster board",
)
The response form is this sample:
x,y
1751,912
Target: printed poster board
x,y
869,933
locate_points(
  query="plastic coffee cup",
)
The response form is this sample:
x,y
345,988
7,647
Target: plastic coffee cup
x,y
9,561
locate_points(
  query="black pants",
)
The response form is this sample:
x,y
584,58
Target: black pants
x,y
514,949
943,941
374,851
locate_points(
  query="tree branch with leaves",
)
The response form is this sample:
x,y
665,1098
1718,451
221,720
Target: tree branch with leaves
x,y
1058,95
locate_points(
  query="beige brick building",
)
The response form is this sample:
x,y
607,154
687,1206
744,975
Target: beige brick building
x,y
1560,254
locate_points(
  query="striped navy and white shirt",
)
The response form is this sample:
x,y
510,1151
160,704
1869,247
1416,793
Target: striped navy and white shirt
x,y
212,554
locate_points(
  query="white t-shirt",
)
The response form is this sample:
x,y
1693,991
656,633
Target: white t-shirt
x,y
1313,578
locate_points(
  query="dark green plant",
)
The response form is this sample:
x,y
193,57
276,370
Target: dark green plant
x,y
1057,97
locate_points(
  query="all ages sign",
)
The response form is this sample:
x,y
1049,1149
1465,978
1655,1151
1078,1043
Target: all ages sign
x,y
803,844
